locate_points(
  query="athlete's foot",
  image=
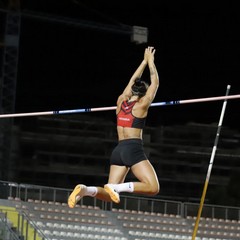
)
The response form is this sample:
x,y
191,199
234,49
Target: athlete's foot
x,y
76,195
112,193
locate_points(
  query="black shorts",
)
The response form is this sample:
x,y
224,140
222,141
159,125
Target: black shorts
x,y
128,152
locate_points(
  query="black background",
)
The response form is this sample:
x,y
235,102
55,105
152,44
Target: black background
x,y
63,66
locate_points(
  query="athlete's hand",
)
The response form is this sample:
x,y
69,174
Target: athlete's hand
x,y
150,53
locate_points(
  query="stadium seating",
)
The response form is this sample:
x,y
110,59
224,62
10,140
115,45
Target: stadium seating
x,y
58,222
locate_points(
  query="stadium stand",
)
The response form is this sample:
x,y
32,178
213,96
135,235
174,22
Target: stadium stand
x,y
54,220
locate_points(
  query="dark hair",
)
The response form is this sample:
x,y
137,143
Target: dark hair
x,y
139,88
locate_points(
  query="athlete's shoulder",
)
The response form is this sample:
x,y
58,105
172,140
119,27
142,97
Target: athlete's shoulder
x,y
144,102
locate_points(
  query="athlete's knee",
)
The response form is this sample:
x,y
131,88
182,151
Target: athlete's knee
x,y
154,189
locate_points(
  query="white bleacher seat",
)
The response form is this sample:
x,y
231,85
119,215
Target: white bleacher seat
x,y
63,218
97,229
83,235
77,227
37,208
70,234
47,232
110,237
49,224
56,225
70,211
114,231
97,236
63,226
90,229
70,226
40,224
63,234
77,212
64,205
90,236
84,228
50,209
43,209
103,229
179,237
77,235
55,233
76,219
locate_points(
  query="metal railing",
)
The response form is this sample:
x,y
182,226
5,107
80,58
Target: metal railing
x,y
6,232
22,226
137,203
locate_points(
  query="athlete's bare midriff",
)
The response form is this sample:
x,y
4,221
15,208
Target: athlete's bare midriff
x,y
128,133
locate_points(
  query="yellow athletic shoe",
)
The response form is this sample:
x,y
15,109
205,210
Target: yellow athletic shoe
x,y
76,195
112,192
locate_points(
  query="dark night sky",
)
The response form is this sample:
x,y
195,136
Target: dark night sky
x,y
63,66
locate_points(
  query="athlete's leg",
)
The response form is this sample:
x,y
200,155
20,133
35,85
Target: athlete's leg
x,y
117,175
146,174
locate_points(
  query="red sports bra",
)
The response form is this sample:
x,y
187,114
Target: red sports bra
x,y
125,117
